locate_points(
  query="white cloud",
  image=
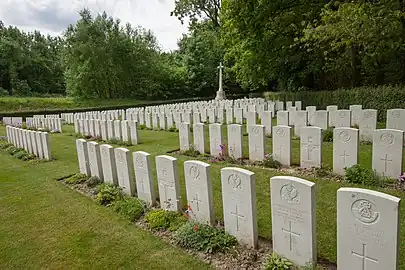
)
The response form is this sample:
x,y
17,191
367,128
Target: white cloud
x,y
53,16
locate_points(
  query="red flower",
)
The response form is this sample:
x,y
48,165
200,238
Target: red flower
x,y
195,228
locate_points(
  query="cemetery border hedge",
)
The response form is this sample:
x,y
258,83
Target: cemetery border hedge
x,y
380,98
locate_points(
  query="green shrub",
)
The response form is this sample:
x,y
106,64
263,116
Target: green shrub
x,y
359,174
202,237
28,157
93,181
131,208
270,162
191,152
78,178
172,129
328,135
108,194
142,126
163,220
276,262
4,146
20,154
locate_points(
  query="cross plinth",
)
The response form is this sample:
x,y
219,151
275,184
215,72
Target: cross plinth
x,y
220,92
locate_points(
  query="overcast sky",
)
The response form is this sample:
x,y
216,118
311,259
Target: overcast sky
x,y
53,16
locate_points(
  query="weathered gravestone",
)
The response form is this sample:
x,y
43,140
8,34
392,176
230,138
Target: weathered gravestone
x,y
356,114
235,141
311,114
331,115
93,150
199,137
83,157
46,145
321,119
124,171
168,181
387,152
256,143
342,118
311,147
239,204
293,218
199,192
108,164
144,178
367,123
282,144
184,136
396,119
301,120
345,149
267,122
282,118
216,139
367,230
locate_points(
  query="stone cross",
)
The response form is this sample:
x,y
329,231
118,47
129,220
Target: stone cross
x,y
220,92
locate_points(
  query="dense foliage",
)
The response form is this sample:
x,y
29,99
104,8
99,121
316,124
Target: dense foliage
x,y
278,45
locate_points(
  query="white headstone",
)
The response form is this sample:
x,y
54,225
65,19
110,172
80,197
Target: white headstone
x,y
235,141
301,120
216,139
282,118
367,124
239,204
267,122
250,120
133,129
331,109
282,144
46,146
345,149
367,230
124,171
356,114
93,150
387,152
168,181
293,216
184,136
199,137
83,156
321,119
108,164
199,192
117,130
342,118
311,115
311,147
144,178
256,143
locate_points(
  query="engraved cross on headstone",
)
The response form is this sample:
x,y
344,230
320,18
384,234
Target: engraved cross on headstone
x,y
279,151
290,233
386,160
197,201
364,257
344,155
238,216
310,147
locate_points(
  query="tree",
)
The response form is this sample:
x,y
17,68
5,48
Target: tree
x,y
196,10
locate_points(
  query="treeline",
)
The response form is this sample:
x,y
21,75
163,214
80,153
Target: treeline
x,y
277,45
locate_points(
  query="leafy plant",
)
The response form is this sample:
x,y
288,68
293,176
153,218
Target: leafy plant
x,y
191,152
328,135
142,127
162,220
78,178
270,162
276,262
172,129
93,181
4,146
203,237
20,154
108,194
131,208
359,174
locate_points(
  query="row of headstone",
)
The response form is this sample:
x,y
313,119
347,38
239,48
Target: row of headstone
x,y
13,121
126,131
68,118
368,227
51,123
386,152
34,142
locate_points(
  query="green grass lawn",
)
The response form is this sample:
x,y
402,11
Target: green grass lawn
x,y
46,225
58,205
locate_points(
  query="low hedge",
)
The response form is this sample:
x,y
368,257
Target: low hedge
x,y
380,98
